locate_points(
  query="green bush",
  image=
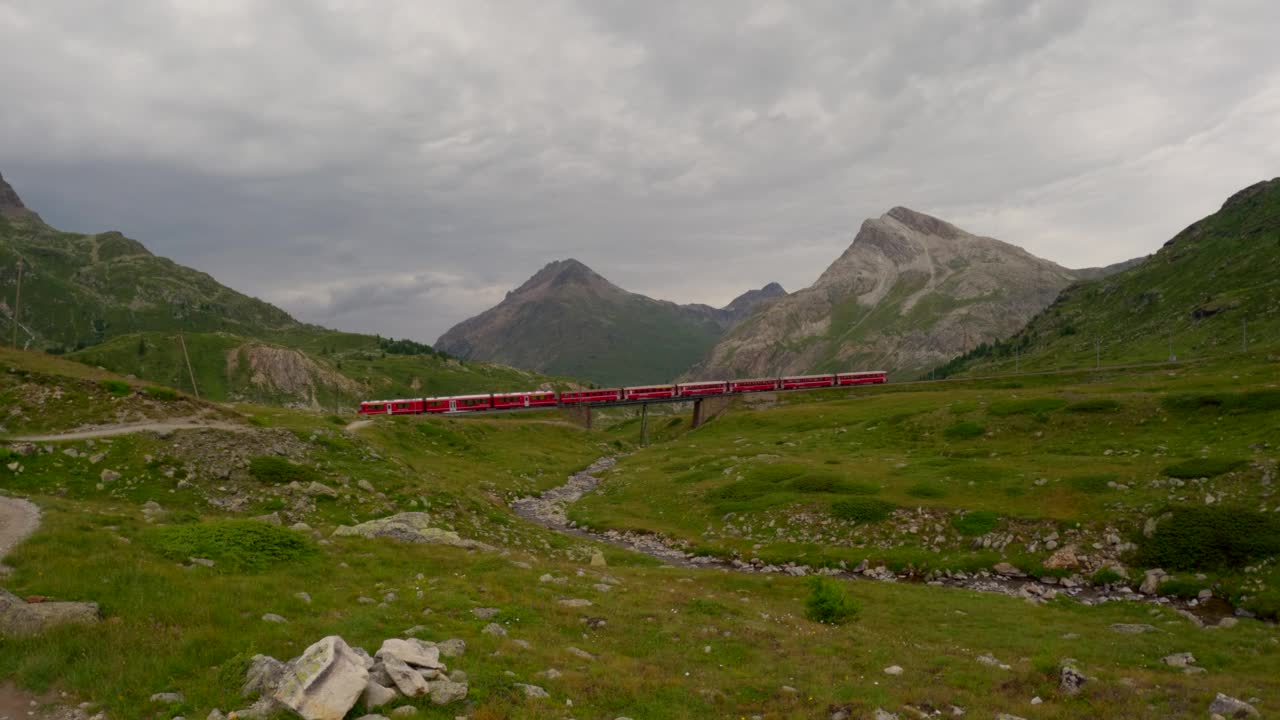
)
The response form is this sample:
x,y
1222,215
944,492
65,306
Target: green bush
x,y
927,490
741,490
828,602
119,388
1181,588
162,394
862,509
233,545
1093,484
1094,405
1202,467
976,522
1235,403
1030,406
828,483
279,471
963,430
1210,538
1106,576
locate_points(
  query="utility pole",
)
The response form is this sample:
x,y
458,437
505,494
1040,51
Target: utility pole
x,y
17,305
644,425
190,372
1172,357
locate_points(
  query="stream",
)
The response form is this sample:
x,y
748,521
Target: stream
x,y
550,509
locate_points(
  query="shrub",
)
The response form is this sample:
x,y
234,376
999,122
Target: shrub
x,y
1235,403
862,509
828,602
1093,484
234,545
826,483
741,490
977,522
162,394
1031,406
927,490
279,471
1202,467
1106,576
1209,538
1181,588
119,388
1094,405
963,430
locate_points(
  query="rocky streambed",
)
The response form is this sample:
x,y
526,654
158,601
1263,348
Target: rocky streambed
x,y
550,509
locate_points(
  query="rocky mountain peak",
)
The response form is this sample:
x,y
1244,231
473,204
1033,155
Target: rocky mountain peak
x,y
926,224
11,205
562,274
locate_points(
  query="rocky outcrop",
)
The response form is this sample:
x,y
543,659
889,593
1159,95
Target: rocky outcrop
x,y
909,293
411,527
11,205
330,677
287,371
19,618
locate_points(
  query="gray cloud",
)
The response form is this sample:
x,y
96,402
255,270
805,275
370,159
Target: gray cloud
x,y
396,167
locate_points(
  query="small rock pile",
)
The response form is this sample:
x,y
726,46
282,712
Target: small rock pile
x,y
330,677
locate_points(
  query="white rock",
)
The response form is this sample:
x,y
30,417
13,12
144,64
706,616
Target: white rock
x,y
376,695
893,670
412,651
444,692
532,691
409,681
324,682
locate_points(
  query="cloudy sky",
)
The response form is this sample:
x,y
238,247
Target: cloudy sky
x,y
395,167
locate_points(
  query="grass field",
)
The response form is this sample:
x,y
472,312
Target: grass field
x,y
675,643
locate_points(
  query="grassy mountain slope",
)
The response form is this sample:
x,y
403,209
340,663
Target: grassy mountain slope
x,y
106,300
1199,290
568,320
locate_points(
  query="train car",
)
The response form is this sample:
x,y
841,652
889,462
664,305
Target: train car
x,y
470,403
511,401
753,385
699,389
649,392
411,406
373,407
806,382
583,397
869,377
435,405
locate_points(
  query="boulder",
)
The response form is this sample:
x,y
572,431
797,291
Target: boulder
x,y
1180,660
376,695
597,559
263,676
1151,581
1005,569
407,680
412,527
1064,559
1132,628
1229,707
453,647
325,682
1070,680
412,652
19,618
532,691
444,692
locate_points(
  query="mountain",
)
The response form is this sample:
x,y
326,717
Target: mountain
x,y
1192,298
568,320
105,300
910,292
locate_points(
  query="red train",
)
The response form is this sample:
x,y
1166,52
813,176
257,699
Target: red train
x,y
676,391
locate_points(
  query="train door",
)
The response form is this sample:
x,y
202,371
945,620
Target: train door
x,y
526,401
453,406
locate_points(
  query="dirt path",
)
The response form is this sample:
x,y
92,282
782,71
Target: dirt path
x,y
18,519
358,424
160,426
